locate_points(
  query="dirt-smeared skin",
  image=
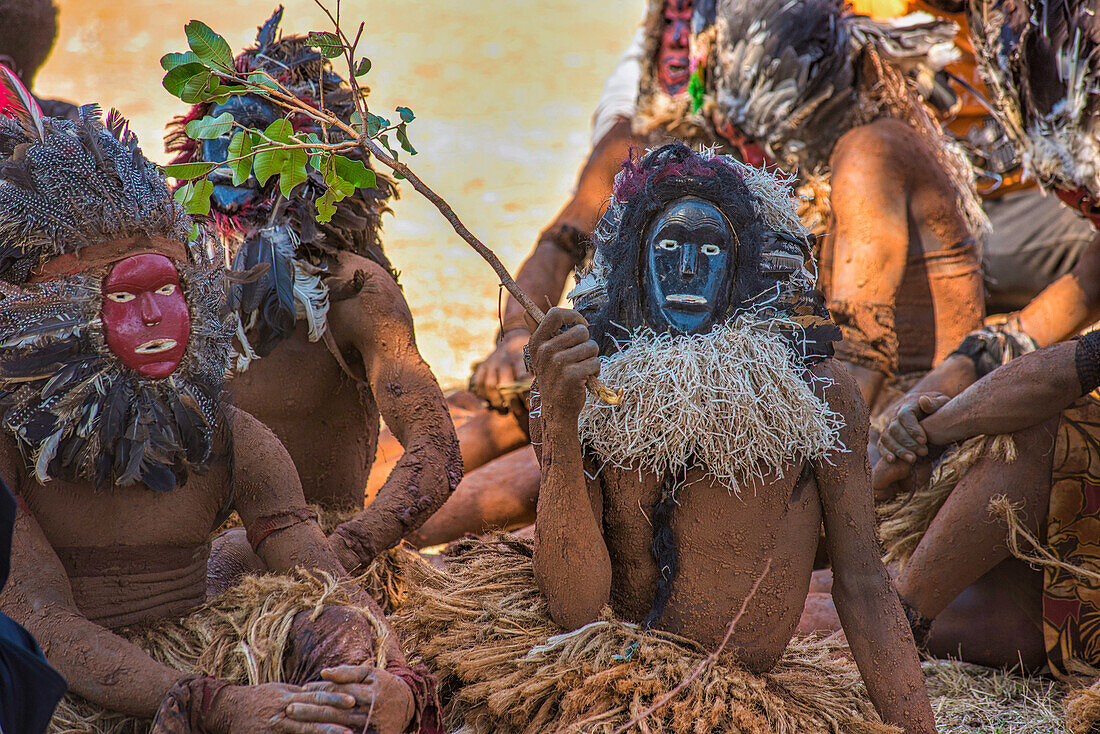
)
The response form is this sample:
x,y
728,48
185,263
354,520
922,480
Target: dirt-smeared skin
x,y
897,227
592,539
330,425
483,435
49,599
502,494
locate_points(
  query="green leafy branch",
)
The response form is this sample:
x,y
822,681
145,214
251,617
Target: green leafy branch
x,y
206,74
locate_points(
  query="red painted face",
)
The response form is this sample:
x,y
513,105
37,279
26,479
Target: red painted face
x,y
673,62
145,315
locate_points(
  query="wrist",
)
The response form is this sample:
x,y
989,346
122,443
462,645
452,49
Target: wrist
x,y
513,328
216,705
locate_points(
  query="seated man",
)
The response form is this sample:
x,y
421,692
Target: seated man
x,y
899,265
966,592
737,435
124,457
327,345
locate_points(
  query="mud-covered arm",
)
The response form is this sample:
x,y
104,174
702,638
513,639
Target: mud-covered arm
x,y
268,496
572,565
871,243
1068,304
866,601
560,248
1025,392
379,325
98,664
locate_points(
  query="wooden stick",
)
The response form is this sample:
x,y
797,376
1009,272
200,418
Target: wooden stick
x,y
594,384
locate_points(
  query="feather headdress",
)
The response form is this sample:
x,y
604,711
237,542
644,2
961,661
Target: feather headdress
x,y
76,412
775,271
1041,62
256,225
793,77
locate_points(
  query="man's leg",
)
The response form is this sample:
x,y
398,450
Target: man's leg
x,y
964,543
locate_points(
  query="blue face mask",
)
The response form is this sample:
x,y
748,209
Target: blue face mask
x,y
690,260
249,111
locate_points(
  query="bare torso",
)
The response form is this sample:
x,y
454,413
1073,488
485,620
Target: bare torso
x,y
132,555
723,542
936,288
327,422
329,426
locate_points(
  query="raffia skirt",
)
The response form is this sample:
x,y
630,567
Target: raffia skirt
x,y
483,627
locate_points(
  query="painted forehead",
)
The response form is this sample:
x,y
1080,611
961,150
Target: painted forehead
x,y
692,212
141,270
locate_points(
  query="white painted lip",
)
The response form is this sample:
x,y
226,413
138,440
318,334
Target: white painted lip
x,y
686,298
156,346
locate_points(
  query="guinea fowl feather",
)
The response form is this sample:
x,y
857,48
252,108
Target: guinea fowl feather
x,y
17,103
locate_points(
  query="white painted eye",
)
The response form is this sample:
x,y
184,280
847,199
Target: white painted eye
x,y
166,290
710,249
121,296
668,244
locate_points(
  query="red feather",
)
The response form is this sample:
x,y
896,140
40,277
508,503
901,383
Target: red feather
x,y
18,104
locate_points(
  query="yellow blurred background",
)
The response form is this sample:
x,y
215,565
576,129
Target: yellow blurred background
x,y
503,93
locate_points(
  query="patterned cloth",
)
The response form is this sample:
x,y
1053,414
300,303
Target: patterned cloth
x,y
1071,603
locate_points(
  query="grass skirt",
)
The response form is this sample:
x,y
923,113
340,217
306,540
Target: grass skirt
x,y
240,637
504,666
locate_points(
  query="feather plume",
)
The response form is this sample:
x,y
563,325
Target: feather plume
x,y
17,103
1041,62
311,298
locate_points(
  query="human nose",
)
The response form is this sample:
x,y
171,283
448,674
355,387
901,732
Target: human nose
x,y
689,253
150,312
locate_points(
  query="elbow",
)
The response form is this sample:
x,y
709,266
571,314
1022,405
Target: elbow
x,y
574,599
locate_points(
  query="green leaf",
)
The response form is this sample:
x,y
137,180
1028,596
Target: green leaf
x,y
375,123
326,206
171,61
241,147
178,76
197,88
362,67
212,49
210,127
385,140
194,196
354,172
357,121
406,114
280,130
261,80
266,163
403,138
314,156
294,171
187,171
328,44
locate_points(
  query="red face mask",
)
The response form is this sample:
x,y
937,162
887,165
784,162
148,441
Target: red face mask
x,y
673,67
145,315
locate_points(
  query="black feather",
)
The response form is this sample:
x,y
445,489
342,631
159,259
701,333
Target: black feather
x,y
269,31
270,296
120,128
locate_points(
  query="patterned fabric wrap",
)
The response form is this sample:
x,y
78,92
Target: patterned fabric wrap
x,y
1071,603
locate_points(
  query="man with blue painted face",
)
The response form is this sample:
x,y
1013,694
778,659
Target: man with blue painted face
x,y
737,434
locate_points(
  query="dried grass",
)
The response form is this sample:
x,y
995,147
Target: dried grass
x,y
240,637
732,401
971,699
485,629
